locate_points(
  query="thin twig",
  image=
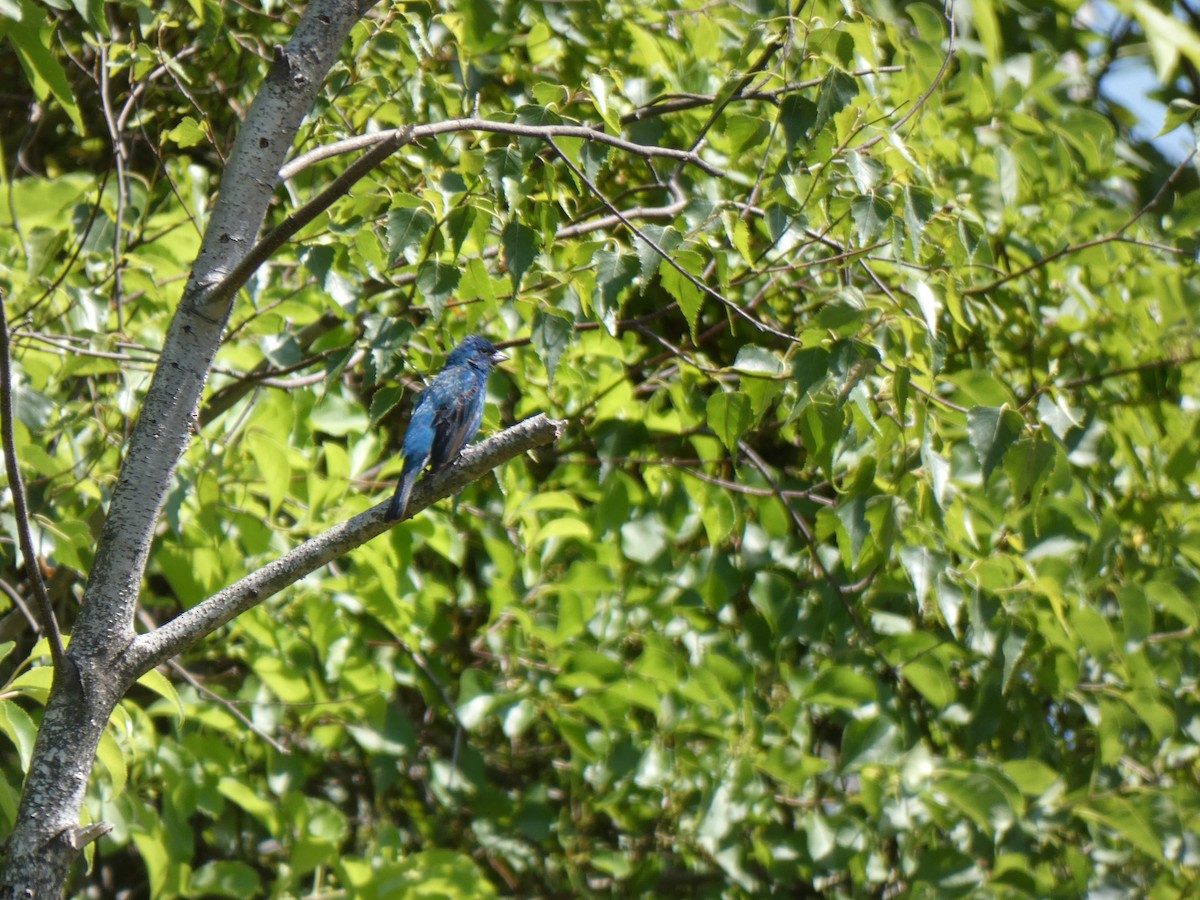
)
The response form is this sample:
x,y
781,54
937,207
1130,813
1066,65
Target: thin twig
x,y
937,79
665,104
773,46
1086,245
20,604
120,155
17,489
1140,369
653,245
222,291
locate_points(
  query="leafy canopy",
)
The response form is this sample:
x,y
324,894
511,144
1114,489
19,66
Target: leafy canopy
x,y
868,563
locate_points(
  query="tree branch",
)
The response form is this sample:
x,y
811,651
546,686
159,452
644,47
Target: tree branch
x,y
17,488
149,650
669,260
665,104
540,132
105,623
221,294
1085,245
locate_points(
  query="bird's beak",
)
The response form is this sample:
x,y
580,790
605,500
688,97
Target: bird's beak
x,y
498,357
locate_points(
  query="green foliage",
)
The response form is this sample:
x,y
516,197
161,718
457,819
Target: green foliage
x,y
868,562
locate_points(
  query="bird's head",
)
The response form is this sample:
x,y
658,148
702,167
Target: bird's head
x,y
475,351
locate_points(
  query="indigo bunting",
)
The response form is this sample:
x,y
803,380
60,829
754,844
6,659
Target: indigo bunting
x,y
447,415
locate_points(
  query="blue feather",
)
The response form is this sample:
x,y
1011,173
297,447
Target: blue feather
x,y
447,415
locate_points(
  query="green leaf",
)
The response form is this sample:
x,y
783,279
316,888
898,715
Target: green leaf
x,y
19,728
244,796
649,259
270,457
161,685
552,332
480,18
407,227
1168,39
384,401
459,223
867,172
983,795
284,681
836,91
1179,112
918,210
31,39
436,281
1028,464
923,566
615,273
930,304
798,115
929,676
685,293
505,169
870,216
745,132
755,360
842,688
852,514
868,741
1126,820
729,415
992,430
537,115
109,753
1031,776
188,133
521,247
593,155
1008,177
1172,601
224,878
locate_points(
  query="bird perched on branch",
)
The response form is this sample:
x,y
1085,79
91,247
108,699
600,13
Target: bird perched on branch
x,y
447,415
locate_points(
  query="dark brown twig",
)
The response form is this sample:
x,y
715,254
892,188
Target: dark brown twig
x,y
1085,245
17,489
666,257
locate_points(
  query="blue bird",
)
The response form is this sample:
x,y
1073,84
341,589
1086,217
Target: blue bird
x,y
447,415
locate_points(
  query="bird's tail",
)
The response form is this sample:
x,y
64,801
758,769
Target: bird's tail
x,y
408,477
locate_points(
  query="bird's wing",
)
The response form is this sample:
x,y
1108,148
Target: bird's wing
x,y
458,412
418,444
422,430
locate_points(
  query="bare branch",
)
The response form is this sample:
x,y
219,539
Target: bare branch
x,y
1085,245
937,79
667,258
149,650
665,104
450,126
17,488
221,293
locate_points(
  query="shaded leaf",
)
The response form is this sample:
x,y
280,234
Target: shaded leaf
x,y
992,430
729,415
521,245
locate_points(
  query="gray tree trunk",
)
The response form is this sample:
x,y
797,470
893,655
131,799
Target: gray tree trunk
x,y
46,838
